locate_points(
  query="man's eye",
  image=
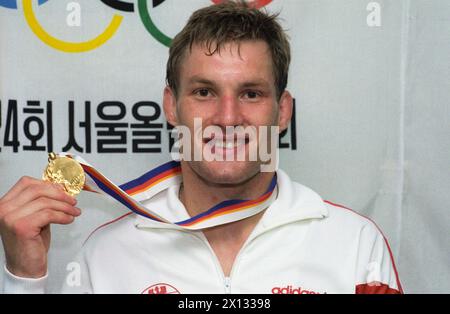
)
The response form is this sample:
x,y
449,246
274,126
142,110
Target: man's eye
x,y
203,92
251,94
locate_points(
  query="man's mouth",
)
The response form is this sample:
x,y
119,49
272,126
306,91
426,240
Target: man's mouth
x,y
226,143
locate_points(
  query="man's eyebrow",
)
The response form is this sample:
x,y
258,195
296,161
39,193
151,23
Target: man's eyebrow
x,y
258,82
251,83
201,80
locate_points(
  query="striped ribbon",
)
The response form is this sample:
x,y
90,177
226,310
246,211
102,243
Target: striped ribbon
x,y
132,193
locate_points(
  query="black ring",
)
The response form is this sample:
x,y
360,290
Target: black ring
x,y
119,5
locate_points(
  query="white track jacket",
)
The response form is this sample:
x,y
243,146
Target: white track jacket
x,y
301,245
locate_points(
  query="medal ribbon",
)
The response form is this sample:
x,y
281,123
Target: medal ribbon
x,y
132,193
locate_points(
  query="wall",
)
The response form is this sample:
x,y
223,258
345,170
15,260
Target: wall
x,y
371,124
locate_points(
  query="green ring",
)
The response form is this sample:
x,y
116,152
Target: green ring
x,y
150,26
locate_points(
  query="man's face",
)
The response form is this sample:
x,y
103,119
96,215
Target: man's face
x,y
233,88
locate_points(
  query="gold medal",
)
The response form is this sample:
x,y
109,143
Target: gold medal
x,y
65,171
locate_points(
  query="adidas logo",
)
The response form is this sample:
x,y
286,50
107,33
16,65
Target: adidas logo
x,y
292,290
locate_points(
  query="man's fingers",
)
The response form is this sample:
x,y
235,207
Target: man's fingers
x,y
30,226
44,189
21,184
43,203
47,216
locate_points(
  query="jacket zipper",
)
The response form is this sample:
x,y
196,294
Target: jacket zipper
x,y
227,285
225,279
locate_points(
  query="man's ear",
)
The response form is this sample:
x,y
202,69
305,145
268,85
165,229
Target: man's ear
x,y
285,110
170,106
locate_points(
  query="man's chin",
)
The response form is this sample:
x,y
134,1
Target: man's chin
x,y
226,172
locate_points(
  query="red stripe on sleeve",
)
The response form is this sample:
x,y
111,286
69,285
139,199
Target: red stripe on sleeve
x,y
375,288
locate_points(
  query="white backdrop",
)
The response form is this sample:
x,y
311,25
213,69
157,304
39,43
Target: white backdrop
x,y
372,112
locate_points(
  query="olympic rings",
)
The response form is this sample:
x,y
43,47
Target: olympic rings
x,y
110,30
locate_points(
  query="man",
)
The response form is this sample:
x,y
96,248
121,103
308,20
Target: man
x,y
228,67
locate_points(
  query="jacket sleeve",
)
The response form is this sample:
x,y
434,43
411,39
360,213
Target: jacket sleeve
x,y
376,272
13,284
76,281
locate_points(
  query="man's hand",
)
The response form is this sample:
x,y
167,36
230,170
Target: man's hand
x,y
26,212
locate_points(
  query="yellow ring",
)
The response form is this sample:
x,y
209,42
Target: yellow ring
x,y
65,45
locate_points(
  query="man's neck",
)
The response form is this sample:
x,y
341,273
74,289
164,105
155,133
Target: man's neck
x,y
226,240
199,195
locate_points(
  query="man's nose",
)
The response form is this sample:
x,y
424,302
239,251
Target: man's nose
x,y
228,112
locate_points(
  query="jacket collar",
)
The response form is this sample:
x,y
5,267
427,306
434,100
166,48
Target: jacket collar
x,y
294,202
